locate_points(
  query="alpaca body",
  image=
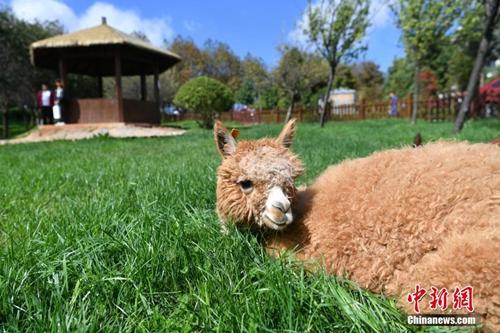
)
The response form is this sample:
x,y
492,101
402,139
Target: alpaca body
x,y
398,218
427,216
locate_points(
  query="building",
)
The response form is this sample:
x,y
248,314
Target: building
x,y
104,51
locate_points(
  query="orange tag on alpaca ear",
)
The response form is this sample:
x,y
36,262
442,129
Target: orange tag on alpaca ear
x,y
235,133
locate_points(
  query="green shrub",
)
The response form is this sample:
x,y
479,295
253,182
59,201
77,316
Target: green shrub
x,y
205,96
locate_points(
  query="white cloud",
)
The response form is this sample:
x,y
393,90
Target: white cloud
x,y
47,10
380,16
297,36
191,26
156,29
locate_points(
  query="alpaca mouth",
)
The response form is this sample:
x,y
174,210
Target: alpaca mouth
x,y
277,223
277,212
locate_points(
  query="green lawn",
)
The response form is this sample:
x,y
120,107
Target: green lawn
x,y
121,235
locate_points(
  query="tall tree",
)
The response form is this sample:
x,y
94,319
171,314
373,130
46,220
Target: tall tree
x,y
369,80
399,78
18,78
222,64
289,75
336,28
424,25
255,80
491,8
315,74
193,62
344,77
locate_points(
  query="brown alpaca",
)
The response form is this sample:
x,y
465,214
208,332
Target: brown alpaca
x,y
398,218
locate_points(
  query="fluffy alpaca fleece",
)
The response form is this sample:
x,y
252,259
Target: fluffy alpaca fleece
x,y
398,218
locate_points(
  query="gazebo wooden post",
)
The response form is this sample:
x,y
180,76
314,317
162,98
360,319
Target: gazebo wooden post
x,y
63,73
100,91
118,86
144,91
157,87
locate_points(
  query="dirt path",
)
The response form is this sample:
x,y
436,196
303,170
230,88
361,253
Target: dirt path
x,y
87,131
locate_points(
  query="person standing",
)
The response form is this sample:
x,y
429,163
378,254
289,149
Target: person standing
x,y
394,105
57,109
45,102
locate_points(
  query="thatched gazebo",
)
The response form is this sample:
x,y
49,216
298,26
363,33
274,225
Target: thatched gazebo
x,y
99,52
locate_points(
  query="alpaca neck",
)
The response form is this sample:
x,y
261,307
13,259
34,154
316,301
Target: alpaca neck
x,y
296,235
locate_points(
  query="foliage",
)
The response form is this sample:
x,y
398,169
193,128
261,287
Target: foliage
x,y
491,20
205,96
246,94
19,80
289,72
429,83
344,77
193,59
337,28
268,98
400,78
369,80
117,235
424,25
222,63
256,82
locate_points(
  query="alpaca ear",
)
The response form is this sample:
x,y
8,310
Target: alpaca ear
x,y
226,145
286,136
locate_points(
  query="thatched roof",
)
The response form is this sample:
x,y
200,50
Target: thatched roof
x,y
91,51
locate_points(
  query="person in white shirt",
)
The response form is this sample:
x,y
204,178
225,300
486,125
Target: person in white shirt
x,y
58,102
45,102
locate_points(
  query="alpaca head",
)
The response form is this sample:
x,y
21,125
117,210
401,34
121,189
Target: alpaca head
x,y
255,182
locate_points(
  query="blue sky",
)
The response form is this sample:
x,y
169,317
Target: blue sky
x,y
257,27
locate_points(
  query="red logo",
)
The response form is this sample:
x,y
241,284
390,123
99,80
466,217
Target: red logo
x,y
439,298
462,298
416,297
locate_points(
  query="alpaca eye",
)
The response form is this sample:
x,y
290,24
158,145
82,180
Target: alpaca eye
x,y
246,185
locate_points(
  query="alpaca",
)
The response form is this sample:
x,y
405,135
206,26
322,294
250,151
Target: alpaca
x,y
398,218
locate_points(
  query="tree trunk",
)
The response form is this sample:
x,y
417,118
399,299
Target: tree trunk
x,y
491,8
5,123
415,96
326,98
290,109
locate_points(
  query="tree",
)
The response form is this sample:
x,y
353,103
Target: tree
x,y
315,73
255,79
344,77
19,80
268,98
289,75
337,28
193,63
247,93
424,25
491,8
205,96
399,78
369,80
222,63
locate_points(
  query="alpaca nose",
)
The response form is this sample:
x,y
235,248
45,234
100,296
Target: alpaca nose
x,y
277,213
278,200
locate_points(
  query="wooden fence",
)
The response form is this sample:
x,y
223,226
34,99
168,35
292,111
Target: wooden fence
x,y
432,109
